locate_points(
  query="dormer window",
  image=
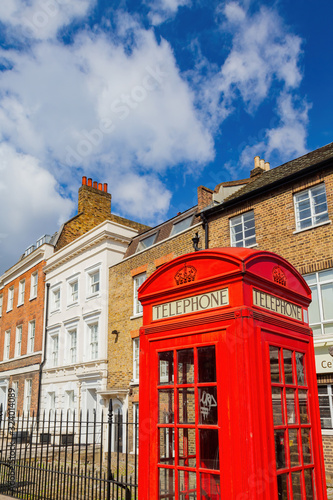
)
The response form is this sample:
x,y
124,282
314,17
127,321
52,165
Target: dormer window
x,y
146,242
181,225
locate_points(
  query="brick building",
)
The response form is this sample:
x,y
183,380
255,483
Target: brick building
x,y
288,210
21,325
145,254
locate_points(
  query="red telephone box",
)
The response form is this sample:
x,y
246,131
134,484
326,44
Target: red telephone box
x,y
228,392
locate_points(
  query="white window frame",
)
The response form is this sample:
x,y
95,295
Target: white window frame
x,y
18,341
137,282
21,292
239,220
328,394
91,284
1,304
10,301
55,299
31,336
27,394
54,349
51,402
72,349
70,402
6,350
151,239
316,283
93,344
72,297
136,425
34,285
136,360
323,215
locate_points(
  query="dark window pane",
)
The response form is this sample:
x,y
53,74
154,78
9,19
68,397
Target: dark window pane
x,y
186,405
306,443
185,360
208,405
167,446
167,483
291,407
186,447
165,406
275,365
165,368
207,364
303,406
209,448
294,448
280,449
187,485
296,482
210,486
300,369
308,477
282,484
277,406
288,366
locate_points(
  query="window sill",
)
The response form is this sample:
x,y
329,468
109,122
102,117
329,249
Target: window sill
x,y
312,227
134,383
8,310
135,316
93,296
327,432
54,311
33,298
72,304
20,305
248,246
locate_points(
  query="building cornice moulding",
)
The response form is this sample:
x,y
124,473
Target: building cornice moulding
x,y
25,264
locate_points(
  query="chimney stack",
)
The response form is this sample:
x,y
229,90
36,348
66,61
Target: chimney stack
x,y
260,166
94,196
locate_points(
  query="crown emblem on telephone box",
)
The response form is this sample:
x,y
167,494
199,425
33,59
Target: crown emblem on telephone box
x,y
185,275
279,276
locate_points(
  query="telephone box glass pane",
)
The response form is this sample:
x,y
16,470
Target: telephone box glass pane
x,y
210,486
277,406
308,474
186,447
185,366
167,483
300,369
280,449
296,482
209,448
288,366
303,406
282,484
291,408
207,364
208,405
186,405
294,448
187,485
165,406
165,372
306,442
167,445
275,365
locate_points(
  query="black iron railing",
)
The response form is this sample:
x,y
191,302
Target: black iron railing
x,y
68,456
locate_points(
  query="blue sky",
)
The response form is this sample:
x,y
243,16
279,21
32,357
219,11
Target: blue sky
x,y
153,97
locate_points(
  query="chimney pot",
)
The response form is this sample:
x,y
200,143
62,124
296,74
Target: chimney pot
x,y
267,165
256,161
100,186
105,187
84,180
262,164
95,184
89,181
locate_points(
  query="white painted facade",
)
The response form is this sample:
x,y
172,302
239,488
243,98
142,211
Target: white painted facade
x,y
75,369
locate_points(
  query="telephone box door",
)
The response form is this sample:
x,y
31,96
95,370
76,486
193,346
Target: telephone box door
x,y
188,417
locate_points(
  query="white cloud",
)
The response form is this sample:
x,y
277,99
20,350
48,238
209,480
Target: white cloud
x,y
41,19
163,10
31,204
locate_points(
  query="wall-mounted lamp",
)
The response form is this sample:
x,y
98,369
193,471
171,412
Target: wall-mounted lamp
x,y
116,333
195,240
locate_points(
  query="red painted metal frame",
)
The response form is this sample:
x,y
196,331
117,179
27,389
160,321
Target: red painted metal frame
x,y
241,332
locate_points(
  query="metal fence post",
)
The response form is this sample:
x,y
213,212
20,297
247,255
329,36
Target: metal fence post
x,y
109,450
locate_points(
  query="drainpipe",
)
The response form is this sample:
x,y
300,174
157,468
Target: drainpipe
x,y
205,225
45,345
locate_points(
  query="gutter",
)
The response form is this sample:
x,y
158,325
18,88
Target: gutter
x,y
44,350
205,213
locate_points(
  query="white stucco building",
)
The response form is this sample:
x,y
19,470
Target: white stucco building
x,y
75,366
